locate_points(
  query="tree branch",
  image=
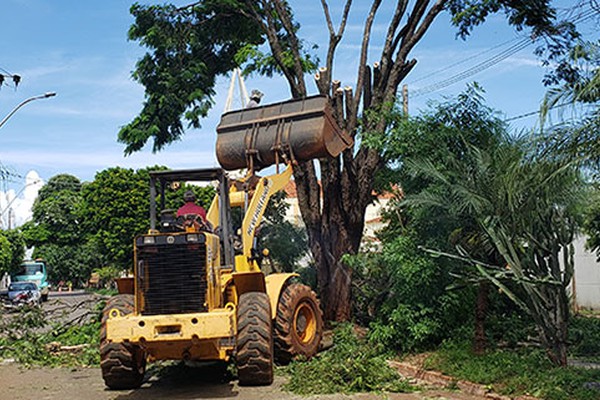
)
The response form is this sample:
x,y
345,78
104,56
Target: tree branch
x,y
191,5
413,39
352,119
334,38
391,40
286,20
270,30
413,19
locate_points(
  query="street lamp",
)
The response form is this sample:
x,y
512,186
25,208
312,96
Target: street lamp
x,y
41,96
16,196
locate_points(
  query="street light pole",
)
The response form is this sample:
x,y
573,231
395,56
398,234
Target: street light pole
x,y
41,96
9,203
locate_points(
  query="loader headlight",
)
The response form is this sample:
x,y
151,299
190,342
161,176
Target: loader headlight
x,y
192,238
149,240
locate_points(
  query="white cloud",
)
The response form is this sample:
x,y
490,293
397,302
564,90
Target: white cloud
x,y
16,206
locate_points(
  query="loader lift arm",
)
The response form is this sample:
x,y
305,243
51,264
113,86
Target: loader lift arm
x,y
255,208
266,188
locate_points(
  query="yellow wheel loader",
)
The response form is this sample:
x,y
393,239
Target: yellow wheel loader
x,y
197,291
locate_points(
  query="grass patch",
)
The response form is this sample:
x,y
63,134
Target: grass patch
x,y
351,366
516,372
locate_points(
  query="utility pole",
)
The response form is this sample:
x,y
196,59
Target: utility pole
x,y
405,99
11,217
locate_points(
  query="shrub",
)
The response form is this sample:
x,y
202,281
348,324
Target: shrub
x,y
401,293
350,366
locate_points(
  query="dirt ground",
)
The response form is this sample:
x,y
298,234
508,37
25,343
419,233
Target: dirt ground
x,y
179,382
18,383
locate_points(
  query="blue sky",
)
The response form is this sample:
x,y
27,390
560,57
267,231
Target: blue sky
x,y
79,49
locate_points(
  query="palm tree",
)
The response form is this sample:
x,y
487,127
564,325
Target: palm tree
x,y
576,136
525,208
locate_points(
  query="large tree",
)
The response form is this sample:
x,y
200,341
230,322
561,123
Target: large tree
x,y
528,208
115,209
443,135
56,231
189,46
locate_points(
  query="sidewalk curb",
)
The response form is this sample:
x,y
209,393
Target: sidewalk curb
x,y
438,379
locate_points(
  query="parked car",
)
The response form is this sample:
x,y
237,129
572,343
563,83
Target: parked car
x,y
24,293
34,271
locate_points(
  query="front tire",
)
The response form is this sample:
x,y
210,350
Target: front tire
x,y
123,364
254,354
298,324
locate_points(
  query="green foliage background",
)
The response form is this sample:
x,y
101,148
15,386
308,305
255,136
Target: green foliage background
x,y
81,227
12,250
401,293
469,192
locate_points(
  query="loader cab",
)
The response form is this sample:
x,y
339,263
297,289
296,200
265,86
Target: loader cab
x,y
163,220
177,266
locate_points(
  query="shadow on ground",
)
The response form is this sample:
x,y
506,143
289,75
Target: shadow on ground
x,y
183,382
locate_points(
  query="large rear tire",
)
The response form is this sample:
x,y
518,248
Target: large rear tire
x,y
254,354
123,364
298,324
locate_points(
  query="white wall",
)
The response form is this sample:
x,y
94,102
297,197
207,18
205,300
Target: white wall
x,y
587,276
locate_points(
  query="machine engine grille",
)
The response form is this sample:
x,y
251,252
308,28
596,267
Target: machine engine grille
x,y
172,278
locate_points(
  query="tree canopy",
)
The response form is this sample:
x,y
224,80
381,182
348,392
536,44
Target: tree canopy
x,y
190,47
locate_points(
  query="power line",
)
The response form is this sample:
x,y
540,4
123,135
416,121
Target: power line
x,y
495,59
463,61
530,113
7,175
503,55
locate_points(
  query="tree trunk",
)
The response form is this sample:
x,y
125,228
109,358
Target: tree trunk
x,y
554,328
480,342
333,230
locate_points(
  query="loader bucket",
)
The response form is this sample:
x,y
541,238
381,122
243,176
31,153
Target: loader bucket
x,y
293,130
